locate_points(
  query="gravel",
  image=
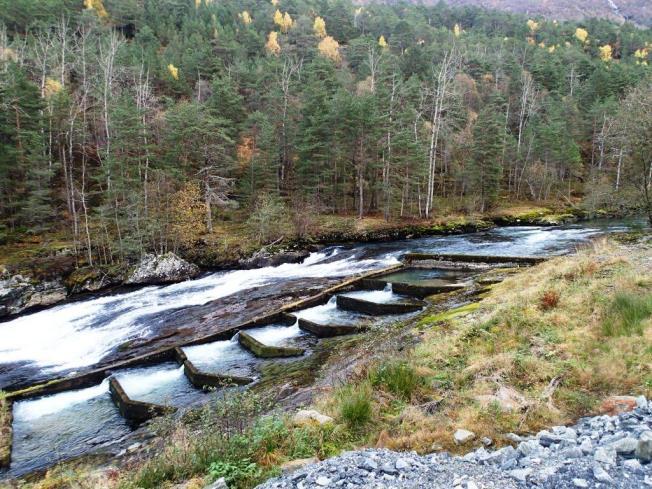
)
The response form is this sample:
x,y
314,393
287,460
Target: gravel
x,y
598,452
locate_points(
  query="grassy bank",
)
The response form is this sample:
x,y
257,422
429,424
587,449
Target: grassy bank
x,y
5,430
541,348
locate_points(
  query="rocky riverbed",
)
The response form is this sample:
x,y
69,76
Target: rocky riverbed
x,y
597,452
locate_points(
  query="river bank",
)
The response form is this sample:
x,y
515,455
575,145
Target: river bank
x,y
542,348
39,273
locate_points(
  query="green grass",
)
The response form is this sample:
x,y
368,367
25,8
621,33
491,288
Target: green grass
x,y
397,377
355,404
626,314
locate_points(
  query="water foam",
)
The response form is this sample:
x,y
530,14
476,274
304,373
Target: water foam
x,y
79,334
33,409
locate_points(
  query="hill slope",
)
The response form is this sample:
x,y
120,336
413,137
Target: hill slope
x,y
636,11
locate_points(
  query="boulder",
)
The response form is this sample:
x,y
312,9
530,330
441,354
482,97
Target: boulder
x,y
507,398
265,258
18,294
218,484
644,448
310,416
161,269
462,436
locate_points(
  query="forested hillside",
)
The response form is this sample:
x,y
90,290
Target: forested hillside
x,y
636,11
136,126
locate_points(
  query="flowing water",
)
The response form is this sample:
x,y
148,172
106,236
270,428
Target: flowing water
x,y
78,335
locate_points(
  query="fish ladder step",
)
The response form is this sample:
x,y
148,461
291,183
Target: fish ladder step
x,y
266,351
135,411
375,308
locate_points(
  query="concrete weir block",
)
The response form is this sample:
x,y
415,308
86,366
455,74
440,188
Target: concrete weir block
x,y
375,308
135,411
6,432
421,291
266,351
330,330
203,380
525,260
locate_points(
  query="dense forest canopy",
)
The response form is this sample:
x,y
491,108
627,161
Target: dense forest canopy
x,y
139,125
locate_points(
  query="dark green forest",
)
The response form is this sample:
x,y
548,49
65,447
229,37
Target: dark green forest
x,y
141,125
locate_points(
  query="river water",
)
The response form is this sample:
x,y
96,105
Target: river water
x,y
75,336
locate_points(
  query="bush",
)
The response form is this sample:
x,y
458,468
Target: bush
x,y
549,300
626,314
355,404
240,471
399,378
270,220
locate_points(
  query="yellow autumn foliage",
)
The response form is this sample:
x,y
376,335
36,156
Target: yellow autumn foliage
x,y
551,49
329,48
8,54
284,21
52,87
98,6
531,41
275,2
382,42
245,17
582,34
606,52
319,27
174,71
272,45
457,30
533,25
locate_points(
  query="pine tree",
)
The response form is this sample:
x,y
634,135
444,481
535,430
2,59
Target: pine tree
x,y
487,148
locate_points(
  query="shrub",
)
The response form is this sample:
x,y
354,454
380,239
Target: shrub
x,y
270,220
355,404
626,313
239,471
549,300
399,378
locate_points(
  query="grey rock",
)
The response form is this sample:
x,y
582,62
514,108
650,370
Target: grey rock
x,y
218,484
520,475
159,269
586,446
402,464
606,456
486,441
323,481
633,465
388,468
625,446
462,436
528,448
513,437
19,294
572,453
601,475
641,402
580,483
644,448
369,464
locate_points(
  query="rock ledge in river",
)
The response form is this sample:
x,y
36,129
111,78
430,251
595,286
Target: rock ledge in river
x,y
18,294
158,269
